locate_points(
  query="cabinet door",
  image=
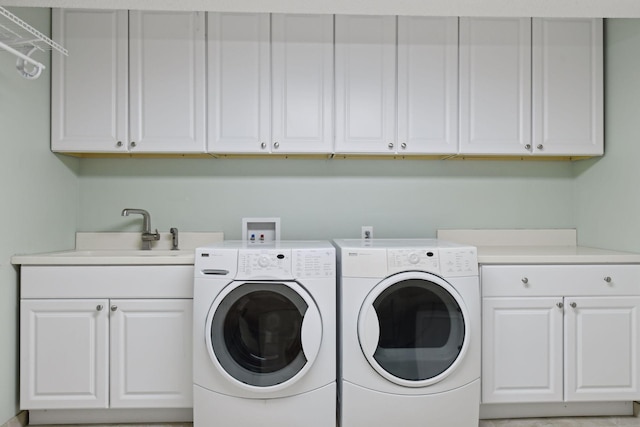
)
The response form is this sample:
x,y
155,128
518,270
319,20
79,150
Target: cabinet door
x,y
151,353
365,84
521,350
63,354
302,83
89,92
239,83
495,85
567,87
602,343
167,78
427,85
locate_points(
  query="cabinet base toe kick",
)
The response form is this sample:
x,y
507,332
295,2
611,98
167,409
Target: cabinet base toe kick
x,y
559,409
110,416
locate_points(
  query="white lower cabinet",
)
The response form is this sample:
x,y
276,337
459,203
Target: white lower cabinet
x,y
601,348
560,333
150,353
64,360
105,352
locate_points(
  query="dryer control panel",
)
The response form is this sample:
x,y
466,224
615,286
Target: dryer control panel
x,y
459,262
413,259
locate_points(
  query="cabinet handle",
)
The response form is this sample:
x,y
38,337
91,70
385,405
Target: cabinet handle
x,y
276,144
560,305
527,146
607,279
114,307
525,280
99,307
390,145
403,145
119,144
263,145
133,144
540,146
573,305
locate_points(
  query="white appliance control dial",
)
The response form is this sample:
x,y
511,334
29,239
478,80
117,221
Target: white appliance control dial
x,y
414,258
263,261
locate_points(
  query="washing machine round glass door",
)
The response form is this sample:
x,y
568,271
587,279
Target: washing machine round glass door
x,y
263,335
412,330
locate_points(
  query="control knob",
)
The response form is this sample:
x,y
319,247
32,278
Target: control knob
x,y
414,258
263,261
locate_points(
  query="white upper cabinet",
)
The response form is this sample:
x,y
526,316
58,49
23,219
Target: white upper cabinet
x,y
365,84
302,83
427,85
89,88
238,82
270,83
495,86
167,81
531,86
149,82
133,82
413,112
567,87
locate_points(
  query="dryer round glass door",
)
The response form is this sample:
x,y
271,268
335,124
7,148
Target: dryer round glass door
x,y
412,330
263,335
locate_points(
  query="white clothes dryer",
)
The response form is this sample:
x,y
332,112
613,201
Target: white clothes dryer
x,y
265,334
409,334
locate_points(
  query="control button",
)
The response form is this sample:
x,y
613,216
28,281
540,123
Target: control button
x,y
280,256
429,254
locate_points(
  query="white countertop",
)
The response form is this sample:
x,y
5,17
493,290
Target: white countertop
x,y
553,255
527,246
123,249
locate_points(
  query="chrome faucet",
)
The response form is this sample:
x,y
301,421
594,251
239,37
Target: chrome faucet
x,y
147,235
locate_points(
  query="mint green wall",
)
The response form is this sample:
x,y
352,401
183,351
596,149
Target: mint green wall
x,y
39,194
47,197
608,189
324,199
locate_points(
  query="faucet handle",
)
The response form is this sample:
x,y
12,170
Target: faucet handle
x,y
149,237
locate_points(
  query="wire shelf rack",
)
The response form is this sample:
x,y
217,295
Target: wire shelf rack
x,y
22,40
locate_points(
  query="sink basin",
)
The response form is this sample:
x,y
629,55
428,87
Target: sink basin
x,y
108,257
121,253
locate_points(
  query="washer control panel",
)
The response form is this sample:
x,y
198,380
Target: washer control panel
x,y
314,263
264,264
280,264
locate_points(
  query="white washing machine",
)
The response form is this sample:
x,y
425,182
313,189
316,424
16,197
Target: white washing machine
x,y
265,334
409,335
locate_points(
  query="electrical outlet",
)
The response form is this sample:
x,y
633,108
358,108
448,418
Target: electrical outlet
x,y
367,232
